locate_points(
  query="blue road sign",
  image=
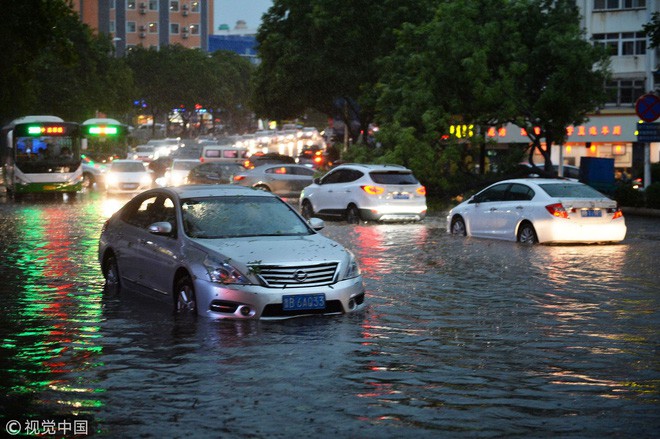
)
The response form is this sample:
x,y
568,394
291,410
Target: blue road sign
x,y
648,132
647,107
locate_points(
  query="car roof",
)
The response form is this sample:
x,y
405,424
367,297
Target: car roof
x,y
127,161
215,190
277,165
372,167
539,181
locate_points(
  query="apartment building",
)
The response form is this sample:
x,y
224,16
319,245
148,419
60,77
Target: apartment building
x,y
149,23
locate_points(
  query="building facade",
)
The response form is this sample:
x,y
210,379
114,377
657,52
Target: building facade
x,y
149,23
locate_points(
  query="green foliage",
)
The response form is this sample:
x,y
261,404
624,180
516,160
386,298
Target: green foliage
x,y
316,51
76,76
652,30
178,77
652,194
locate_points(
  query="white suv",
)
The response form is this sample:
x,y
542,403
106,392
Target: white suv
x,y
366,192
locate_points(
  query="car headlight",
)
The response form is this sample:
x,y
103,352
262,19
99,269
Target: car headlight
x,y
353,269
224,273
111,178
146,180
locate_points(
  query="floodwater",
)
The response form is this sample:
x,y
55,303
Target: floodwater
x,y
461,338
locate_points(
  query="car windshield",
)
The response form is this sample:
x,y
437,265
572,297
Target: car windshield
x,y
128,167
571,191
393,177
232,217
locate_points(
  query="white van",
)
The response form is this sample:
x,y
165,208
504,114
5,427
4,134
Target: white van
x,y
223,153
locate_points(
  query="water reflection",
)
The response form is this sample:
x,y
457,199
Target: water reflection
x,y
54,315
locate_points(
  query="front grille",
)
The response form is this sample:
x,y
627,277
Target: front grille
x,y
278,276
275,310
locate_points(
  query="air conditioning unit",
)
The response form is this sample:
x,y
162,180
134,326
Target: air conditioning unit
x,y
142,35
185,13
184,7
184,35
143,28
143,5
143,12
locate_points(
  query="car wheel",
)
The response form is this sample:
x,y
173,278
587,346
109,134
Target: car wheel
x,y
307,210
458,226
111,273
262,187
185,296
527,234
88,181
353,214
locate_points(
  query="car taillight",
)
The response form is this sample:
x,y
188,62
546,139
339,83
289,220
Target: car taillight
x,y
239,177
421,191
557,210
373,190
616,213
201,159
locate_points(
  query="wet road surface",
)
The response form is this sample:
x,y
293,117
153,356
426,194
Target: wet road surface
x,y
461,338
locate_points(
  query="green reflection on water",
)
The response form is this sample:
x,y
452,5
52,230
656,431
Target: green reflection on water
x,y
53,338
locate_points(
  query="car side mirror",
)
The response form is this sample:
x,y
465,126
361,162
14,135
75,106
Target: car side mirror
x,y
474,200
317,180
316,223
160,228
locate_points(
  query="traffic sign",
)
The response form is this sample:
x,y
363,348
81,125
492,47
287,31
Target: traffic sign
x,y
648,132
647,107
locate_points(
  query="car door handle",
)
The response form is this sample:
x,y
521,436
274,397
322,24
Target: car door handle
x,y
520,207
493,209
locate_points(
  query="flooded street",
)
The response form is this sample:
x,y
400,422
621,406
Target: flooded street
x,y
461,338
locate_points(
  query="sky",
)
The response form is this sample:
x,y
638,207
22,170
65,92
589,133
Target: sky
x,y
230,11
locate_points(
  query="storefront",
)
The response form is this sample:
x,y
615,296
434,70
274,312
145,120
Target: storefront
x,y
611,136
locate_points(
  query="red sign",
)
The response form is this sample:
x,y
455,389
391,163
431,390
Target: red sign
x,y
647,107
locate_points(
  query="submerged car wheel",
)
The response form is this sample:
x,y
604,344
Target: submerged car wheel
x,y
458,226
353,214
307,210
111,272
262,187
185,296
527,234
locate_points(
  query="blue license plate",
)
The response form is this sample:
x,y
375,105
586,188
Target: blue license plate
x,y
591,213
303,302
401,197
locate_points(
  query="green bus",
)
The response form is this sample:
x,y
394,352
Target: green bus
x,y
41,154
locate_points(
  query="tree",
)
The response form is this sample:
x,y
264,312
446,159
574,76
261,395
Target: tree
x,y
652,30
491,62
53,63
319,54
176,77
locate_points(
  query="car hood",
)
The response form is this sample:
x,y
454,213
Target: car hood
x,y
275,250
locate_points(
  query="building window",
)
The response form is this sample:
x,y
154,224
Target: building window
x,y
194,29
624,92
194,6
112,4
619,44
613,5
174,28
131,27
153,28
174,6
112,28
131,4
153,5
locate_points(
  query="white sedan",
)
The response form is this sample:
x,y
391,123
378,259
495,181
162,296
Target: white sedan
x,y
535,210
127,176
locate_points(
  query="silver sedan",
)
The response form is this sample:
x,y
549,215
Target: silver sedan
x,y
281,179
228,251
